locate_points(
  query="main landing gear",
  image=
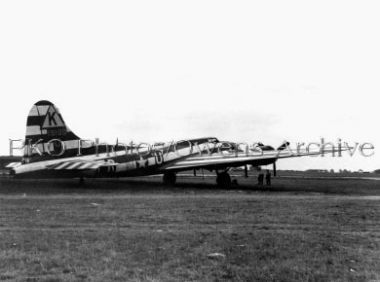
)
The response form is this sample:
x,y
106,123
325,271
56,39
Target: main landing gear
x,y
169,178
223,180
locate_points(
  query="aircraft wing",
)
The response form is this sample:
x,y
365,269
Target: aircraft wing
x,y
235,159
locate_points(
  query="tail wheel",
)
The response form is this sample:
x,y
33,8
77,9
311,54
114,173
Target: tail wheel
x,y
169,178
223,180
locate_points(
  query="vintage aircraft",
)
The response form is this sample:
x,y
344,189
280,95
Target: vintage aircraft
x,y
52,150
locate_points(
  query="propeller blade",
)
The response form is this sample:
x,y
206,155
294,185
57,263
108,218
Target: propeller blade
x,y
283,146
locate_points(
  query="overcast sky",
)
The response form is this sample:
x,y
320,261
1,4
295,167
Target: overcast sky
x,y
165,70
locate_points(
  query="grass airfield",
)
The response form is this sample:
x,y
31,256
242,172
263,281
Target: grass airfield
x,y
138,230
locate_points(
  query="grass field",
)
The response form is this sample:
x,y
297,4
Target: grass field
x,y
134,230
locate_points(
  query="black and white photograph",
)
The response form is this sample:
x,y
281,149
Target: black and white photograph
x,y
189,141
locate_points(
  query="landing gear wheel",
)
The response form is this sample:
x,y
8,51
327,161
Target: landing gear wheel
x,y
223,180
169,178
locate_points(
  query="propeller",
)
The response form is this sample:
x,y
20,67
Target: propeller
x,y
274,169
264,147
283,146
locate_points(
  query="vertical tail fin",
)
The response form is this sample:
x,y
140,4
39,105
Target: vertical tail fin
x,y
44,124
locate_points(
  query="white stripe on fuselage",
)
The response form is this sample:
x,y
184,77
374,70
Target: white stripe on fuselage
x,y
33,130
30,167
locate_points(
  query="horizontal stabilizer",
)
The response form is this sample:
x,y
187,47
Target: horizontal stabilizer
x,y
13,165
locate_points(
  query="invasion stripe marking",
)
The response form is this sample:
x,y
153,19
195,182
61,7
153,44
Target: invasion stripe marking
x,y
61,166
86,165
69,135
35,120
73,166
33,130
77,165
51,163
